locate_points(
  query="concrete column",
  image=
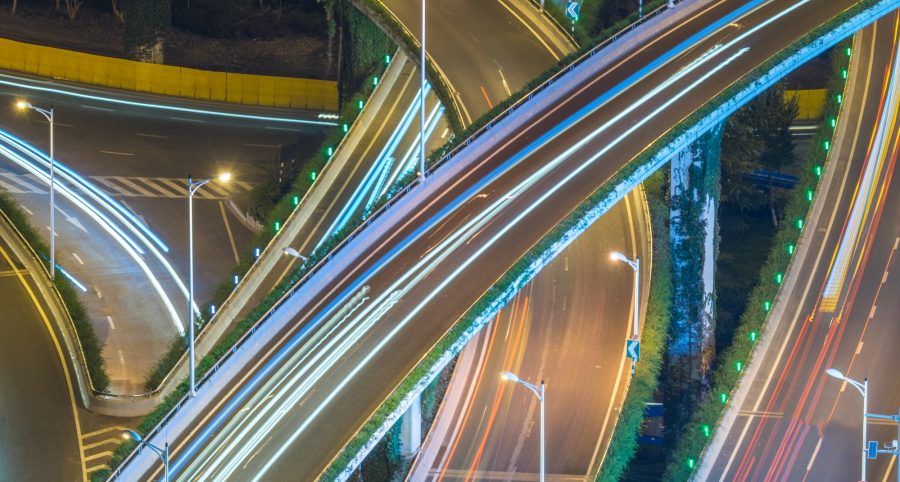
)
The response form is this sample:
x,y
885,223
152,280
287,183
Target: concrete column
x,y
695,186
411,429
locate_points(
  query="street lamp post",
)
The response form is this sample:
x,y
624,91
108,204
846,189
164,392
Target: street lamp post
x,y
193,187
163,453
864,390
636,266
539,392
48,114
422,107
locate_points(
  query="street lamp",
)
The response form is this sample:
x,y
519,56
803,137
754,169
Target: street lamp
x,y
163,453
48,114
422,110
289,251
539,392
636,266
864,390
193,187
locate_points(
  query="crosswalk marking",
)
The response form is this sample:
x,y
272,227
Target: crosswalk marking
x,y
130,186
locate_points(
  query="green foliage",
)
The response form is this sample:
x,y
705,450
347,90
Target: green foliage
x,y
87,337
367,46
623,444
146,21
725,378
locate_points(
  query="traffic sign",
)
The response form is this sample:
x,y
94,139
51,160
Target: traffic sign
x,y
572,10
633,349
872,451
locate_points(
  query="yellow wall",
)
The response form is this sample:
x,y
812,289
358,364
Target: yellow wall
x,y
168,80
811,102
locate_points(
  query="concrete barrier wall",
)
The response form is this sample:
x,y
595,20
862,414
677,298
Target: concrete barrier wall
x,y
169,80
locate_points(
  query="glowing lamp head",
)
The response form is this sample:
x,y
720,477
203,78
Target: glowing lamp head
x,y
131,435
23,104
225,177
617,256
509,377
834,372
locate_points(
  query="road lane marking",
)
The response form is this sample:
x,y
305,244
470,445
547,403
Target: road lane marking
x,y
98,455
104,430
61,357
859,347
444,134
110,441
884,278
266,146
112,325
117,153
154,183
287,129
896,243
121,358
155,136
95,108
13,272
889,467
26,209
813,458
99,294
188,120
234,251
77,258
760,414
20,180
505,85
872,312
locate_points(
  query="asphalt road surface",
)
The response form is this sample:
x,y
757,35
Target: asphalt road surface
x,y
425,266
567,327
486,49
797,423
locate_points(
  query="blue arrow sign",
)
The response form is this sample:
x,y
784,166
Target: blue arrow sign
x,y
633,349
572,9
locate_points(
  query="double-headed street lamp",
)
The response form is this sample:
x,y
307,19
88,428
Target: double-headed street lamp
x,y
864,390
193,187
48,114
163,453
539,392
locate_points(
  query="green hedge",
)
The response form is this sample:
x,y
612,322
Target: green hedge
x,y
728,372
623,444
87,337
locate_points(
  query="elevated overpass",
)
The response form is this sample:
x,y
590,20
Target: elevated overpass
x,y
362,320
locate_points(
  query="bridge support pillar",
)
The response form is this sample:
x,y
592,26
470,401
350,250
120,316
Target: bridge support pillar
x,y
411,429
695,187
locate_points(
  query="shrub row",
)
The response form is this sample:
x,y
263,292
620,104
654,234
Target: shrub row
x,y
729,368
623,444
87,337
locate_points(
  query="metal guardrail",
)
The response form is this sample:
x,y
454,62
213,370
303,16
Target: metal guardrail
x,y
375,215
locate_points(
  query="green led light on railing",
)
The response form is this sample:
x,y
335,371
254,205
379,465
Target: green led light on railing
x,y
849,51
827,145
809,194
387,59
296,200
779,277
818,170
312,175
723,397
375,80
844,73
833,122
236,280
329,151
767,305
839,98
277,226
345,127
706,430
691,462
790,248
799,223
753,336
739,366
360,104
